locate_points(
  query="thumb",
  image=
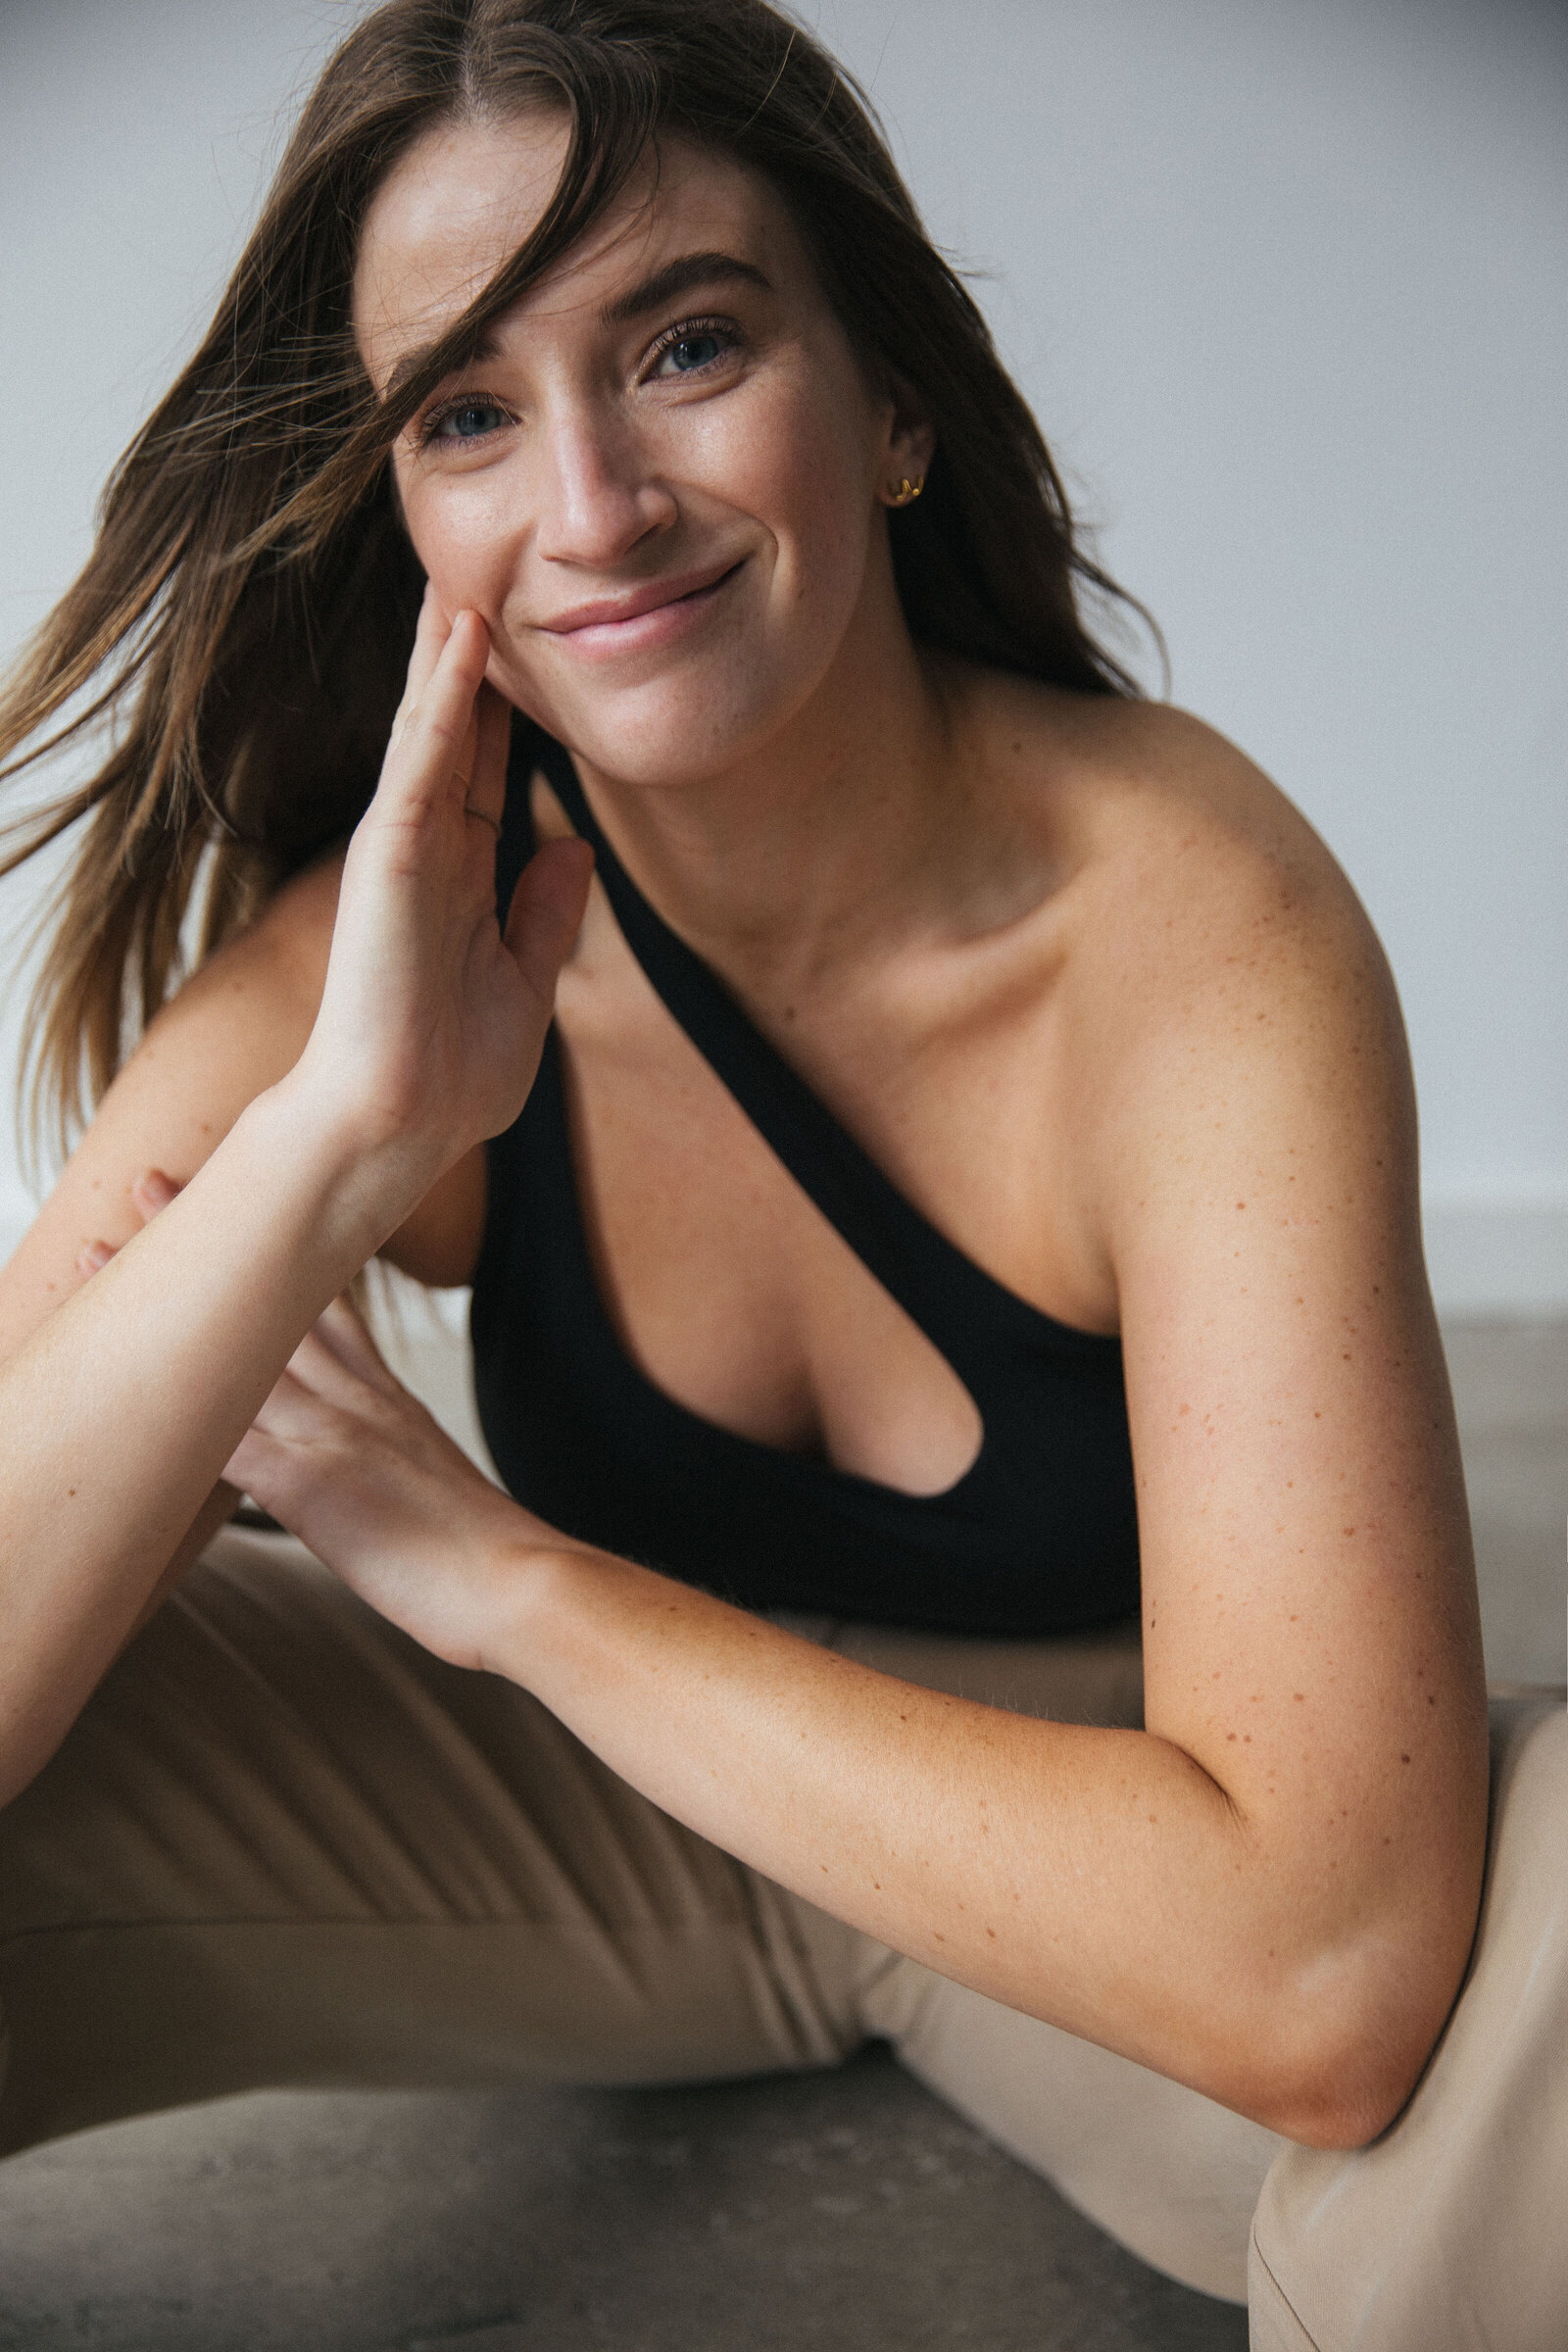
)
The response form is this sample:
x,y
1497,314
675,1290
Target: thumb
x,y
547,911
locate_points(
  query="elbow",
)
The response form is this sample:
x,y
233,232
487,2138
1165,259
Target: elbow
x,y
1344,2070
1346,2021
1340,2037
1345,2100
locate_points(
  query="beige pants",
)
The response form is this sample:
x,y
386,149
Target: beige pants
x,y
285,1846
1452,2229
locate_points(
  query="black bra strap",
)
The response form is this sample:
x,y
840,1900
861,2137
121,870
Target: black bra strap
x,y
959,1307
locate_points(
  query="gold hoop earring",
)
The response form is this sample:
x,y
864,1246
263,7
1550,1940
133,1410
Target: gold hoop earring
x,y
907,492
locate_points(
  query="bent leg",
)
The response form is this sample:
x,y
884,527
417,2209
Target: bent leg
x,y
1159,2167
1167,2171
1450,2229
285,1846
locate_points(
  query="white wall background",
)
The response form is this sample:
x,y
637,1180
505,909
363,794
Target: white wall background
x,y
1285,282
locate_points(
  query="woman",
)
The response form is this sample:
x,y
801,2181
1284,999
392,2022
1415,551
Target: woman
x,y
969,1194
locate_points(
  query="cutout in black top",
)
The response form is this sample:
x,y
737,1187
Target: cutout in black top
x,y
1040,1534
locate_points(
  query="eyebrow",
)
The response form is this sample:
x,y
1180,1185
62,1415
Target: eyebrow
x,y
676,277
486,346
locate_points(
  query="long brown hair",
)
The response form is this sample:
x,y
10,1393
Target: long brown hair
x,y
246,616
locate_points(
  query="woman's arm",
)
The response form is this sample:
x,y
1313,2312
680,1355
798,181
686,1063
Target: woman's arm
x,y
122,1404
1268,1894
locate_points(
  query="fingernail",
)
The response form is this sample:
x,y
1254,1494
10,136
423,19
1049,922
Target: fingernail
x,y
94,1257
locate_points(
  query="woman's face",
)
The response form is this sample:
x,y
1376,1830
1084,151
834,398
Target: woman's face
x,y
660,482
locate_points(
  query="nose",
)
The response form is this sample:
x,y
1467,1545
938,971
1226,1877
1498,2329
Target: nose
x,y
596,498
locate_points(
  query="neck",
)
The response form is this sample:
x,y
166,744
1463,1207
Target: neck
x,y
823,846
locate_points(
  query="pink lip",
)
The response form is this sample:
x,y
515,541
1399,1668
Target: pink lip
x,y
662,607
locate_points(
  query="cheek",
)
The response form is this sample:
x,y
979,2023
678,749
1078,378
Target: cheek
x,y
802,472
460,532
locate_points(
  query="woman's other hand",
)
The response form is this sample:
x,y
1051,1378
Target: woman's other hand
x,y
352,1464
431,1021
347,1459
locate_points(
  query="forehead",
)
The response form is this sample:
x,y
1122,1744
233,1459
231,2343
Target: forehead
x,y
454,209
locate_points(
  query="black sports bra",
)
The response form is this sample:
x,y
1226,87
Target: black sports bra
x,y
1039,1536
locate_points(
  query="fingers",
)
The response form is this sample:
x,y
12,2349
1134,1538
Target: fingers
x,y
488,733
547,911
429,636
152,1190
334,1400
431,756
263,1466
342,1336
487,773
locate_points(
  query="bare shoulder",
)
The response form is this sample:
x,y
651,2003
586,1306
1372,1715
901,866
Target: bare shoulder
x,y
1216,940
236,1027
1176,824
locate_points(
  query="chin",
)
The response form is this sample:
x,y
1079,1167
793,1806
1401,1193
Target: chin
x,y
666,731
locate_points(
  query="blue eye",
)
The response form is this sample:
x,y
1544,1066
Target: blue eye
x,y
471,421
687,350
467,420
693,351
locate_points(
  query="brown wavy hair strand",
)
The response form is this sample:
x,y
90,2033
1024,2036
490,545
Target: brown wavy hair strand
x,y
243,624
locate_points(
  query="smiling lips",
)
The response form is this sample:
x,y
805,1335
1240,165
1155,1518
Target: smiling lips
x,y
642,618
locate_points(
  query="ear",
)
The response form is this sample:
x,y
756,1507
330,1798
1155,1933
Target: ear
x,y
910,441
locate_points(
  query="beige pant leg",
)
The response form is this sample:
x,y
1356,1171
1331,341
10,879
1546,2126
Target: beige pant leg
x,y
1451,2233
284,1846
1164,2169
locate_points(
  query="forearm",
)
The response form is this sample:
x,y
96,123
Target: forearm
x,y
1099,1879
120,1411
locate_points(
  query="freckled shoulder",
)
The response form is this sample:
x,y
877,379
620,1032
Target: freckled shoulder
x,y
1202,892
1221,983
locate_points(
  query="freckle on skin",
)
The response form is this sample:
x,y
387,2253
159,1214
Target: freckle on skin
x,y
1404,1759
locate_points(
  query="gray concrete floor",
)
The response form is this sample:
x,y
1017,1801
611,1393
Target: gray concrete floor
x,y
845,2212
848,2212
